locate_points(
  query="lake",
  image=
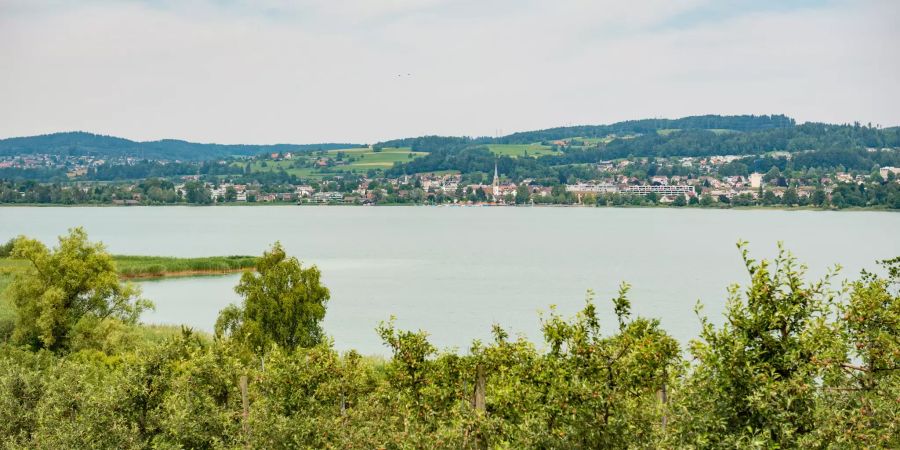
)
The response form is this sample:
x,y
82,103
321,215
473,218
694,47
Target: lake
x,y
455,271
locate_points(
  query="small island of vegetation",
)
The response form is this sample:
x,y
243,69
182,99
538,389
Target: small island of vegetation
x,y
132,266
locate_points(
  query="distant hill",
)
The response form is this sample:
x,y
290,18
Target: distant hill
x,y
82,143
643,126
686,136
707,135
629,127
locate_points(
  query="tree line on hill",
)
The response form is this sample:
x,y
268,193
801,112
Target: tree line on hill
x,y
813,145
83,144
648,126
795,363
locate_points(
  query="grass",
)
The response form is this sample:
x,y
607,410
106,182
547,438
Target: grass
x,y
521,150
158,333
153,266
158,266
274,166
363,160
594,140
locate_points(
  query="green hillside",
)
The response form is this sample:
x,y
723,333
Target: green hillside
x,y
81,143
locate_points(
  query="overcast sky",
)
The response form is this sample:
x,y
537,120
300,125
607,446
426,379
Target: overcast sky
x,y
242,71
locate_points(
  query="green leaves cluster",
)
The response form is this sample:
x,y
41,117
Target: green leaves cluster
x,y
283,305
793,364
68,292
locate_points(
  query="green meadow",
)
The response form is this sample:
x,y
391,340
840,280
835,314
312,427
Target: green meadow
x,y
365,159
359,160
521,150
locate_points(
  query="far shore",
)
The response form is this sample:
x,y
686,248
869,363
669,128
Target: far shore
x,y
448,205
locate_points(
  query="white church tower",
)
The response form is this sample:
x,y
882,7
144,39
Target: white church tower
x,y
496,183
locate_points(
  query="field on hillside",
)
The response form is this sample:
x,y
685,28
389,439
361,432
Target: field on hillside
x,y
364,159
289,166
359,160
521,150
593,140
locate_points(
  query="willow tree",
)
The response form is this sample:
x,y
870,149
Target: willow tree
x,y
68,290
284,304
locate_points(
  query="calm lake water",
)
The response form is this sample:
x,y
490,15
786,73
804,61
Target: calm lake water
x,y
455,271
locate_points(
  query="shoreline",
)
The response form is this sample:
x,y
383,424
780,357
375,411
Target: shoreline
x,y
180,274
450,205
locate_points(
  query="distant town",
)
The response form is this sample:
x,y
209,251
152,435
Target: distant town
x,y
707,161
677,181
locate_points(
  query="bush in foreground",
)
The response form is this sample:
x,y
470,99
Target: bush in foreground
x,y
795,364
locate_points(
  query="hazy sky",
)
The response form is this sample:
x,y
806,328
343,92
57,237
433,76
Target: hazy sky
x,y
242,71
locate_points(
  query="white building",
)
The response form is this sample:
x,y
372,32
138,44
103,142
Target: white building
x,y
885,171
593,188
660,190
756,180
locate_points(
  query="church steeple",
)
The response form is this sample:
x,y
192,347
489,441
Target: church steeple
x,y
495,188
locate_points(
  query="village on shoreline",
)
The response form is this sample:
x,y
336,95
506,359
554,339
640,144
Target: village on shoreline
x,y
715,181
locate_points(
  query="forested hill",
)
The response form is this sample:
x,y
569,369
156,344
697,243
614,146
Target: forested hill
x,y
687,136
643,126
690,136
626,128
81,143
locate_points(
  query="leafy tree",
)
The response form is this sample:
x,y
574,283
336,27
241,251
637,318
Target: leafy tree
x,y
197,192
6,249
860,400
756,376
790,197
230,194
284,304
68,290
522,194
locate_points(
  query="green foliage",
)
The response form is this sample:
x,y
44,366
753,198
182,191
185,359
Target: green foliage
x,y
795,364
756,377
81,143
68,291
6,249
138,266
283,305
859,405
